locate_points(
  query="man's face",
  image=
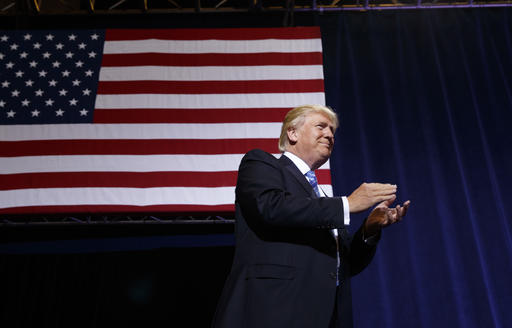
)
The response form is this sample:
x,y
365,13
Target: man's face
x,y
314,140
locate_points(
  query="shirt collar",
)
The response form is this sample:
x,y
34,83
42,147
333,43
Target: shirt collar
x,y
299,163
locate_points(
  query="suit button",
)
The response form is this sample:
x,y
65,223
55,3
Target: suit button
x,y
332,275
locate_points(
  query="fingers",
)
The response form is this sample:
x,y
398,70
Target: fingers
x,y
379,189
386,201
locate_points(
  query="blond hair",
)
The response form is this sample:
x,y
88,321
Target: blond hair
x,y
295,118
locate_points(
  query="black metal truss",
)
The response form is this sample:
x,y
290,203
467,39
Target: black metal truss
x,y
119,7
70,220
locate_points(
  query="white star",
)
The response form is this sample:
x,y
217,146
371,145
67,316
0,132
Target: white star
x,y
5,84
15,93
19,73
2,56
49,37
39,93
73,102
79,63
46,55
92,54
72,37
49,102
10,113
27,37
9,65
52,83
4,38
33,63
2,103
14,46
37,45
23,55
69,54
29,83
86,92
94,36
82,46
43,73
25,102
76,82
63,92
59,112
35,113
59,46
65,73
56,64
88,73
83,112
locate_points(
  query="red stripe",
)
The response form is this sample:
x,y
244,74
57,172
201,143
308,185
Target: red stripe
x,y
135,147
98,209
127,179
214,115
323,176
227,59
218,34
117,179
209,87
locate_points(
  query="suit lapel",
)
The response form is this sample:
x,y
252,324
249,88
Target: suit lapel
x,y
291,168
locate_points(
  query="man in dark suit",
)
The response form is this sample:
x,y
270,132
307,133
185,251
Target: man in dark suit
x,y
294,258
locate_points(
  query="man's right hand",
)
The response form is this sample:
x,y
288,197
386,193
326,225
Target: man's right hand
x,y
369,194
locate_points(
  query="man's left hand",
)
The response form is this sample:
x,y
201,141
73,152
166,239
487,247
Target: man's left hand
x,y
383,216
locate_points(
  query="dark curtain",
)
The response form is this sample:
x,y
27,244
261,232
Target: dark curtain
x,y
425,101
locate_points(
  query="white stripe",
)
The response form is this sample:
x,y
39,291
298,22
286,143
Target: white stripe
x,y
327,189
140,131
123,163
211,73
213,46
121,196
120,163
261,100
117,196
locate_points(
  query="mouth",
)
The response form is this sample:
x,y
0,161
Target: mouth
x,y
327,145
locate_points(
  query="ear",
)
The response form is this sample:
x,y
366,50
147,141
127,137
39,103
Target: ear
x,y
292,135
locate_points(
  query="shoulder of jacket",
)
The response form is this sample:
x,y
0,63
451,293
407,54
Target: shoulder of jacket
x,y
260,155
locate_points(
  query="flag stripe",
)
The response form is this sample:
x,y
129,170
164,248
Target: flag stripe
x,y
192,115
211,59
209,87
121,196
140,131
127,179
256,100
218,34
134,147
123,163
211,73
213,46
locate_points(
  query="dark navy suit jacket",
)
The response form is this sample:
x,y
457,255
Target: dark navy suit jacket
x,y
284,268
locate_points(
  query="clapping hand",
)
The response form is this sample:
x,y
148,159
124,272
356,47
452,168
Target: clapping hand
x,y
383,216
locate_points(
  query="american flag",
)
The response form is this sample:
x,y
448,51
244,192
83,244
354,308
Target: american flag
x,y
96,121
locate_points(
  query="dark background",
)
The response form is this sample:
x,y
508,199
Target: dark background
x,y
425,101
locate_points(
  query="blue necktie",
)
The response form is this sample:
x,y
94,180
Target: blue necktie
x,y
310,175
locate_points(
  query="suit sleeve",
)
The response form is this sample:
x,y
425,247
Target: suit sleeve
x,y
264,194
360,253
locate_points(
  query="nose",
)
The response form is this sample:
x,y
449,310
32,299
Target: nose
x,y
328,134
